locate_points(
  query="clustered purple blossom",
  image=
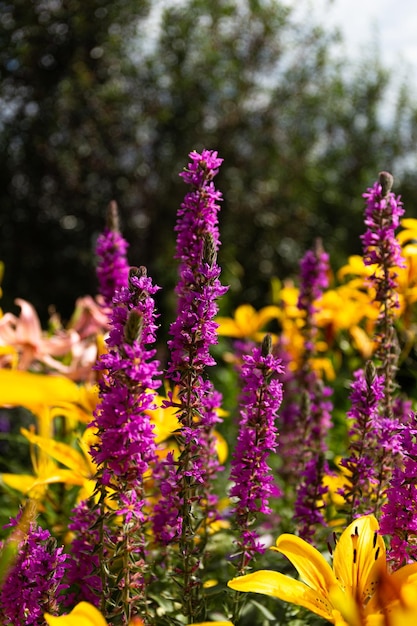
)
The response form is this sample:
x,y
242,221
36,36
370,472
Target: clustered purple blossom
x,y
126,447
312,417
83,565
254,484
367,393
130,373
112,266
167,519
308,508
313,424
35,583
399,513
382,217
314,279
193,333
194,330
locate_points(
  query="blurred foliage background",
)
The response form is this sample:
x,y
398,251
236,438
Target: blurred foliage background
x,y
103,100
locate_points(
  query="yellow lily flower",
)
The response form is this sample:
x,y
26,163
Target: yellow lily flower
x,y
79,468
18,388
46,396
44,467
403,609
212,624
343,595
84,614
247,322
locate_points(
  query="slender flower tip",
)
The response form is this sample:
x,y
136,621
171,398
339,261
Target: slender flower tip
x,y
112,221
209,250
137,272
370,373
133,327
386,180
202,166
266,345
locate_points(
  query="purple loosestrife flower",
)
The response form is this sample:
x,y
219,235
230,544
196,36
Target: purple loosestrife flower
x,y
308,507
314,271
126,445
126,448
382,216
167,520
34,584
83,565
260,400
314,407
112,266
375,445
367,392
193,333
399,513
314,422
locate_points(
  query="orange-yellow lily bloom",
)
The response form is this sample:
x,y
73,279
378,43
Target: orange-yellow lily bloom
x,y
343,595
84,614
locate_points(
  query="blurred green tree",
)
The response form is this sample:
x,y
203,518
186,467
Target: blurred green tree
x,y
104,100
66,139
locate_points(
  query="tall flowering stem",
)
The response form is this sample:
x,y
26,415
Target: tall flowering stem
x,y
34,584
126,449
314,418
111,250
314,270
193,333
83,568
382,216
253,480
367,392
399,513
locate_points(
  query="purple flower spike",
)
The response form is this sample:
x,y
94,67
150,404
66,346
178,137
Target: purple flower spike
x,y
83,566
381,248
194,331
35,582
367,393
112,267
399,514
314,275
253,480
186,485
382,217
126,440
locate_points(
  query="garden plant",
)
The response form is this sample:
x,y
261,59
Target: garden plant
x,y
255,468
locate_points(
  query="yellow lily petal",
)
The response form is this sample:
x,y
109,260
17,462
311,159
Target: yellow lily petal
x,y
404,575
20,482
409,222
228,327
30,390
221,446
61,452
247,321
212,624
245,315
26,483
347,607
84,614
359,557
309,562
278,585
